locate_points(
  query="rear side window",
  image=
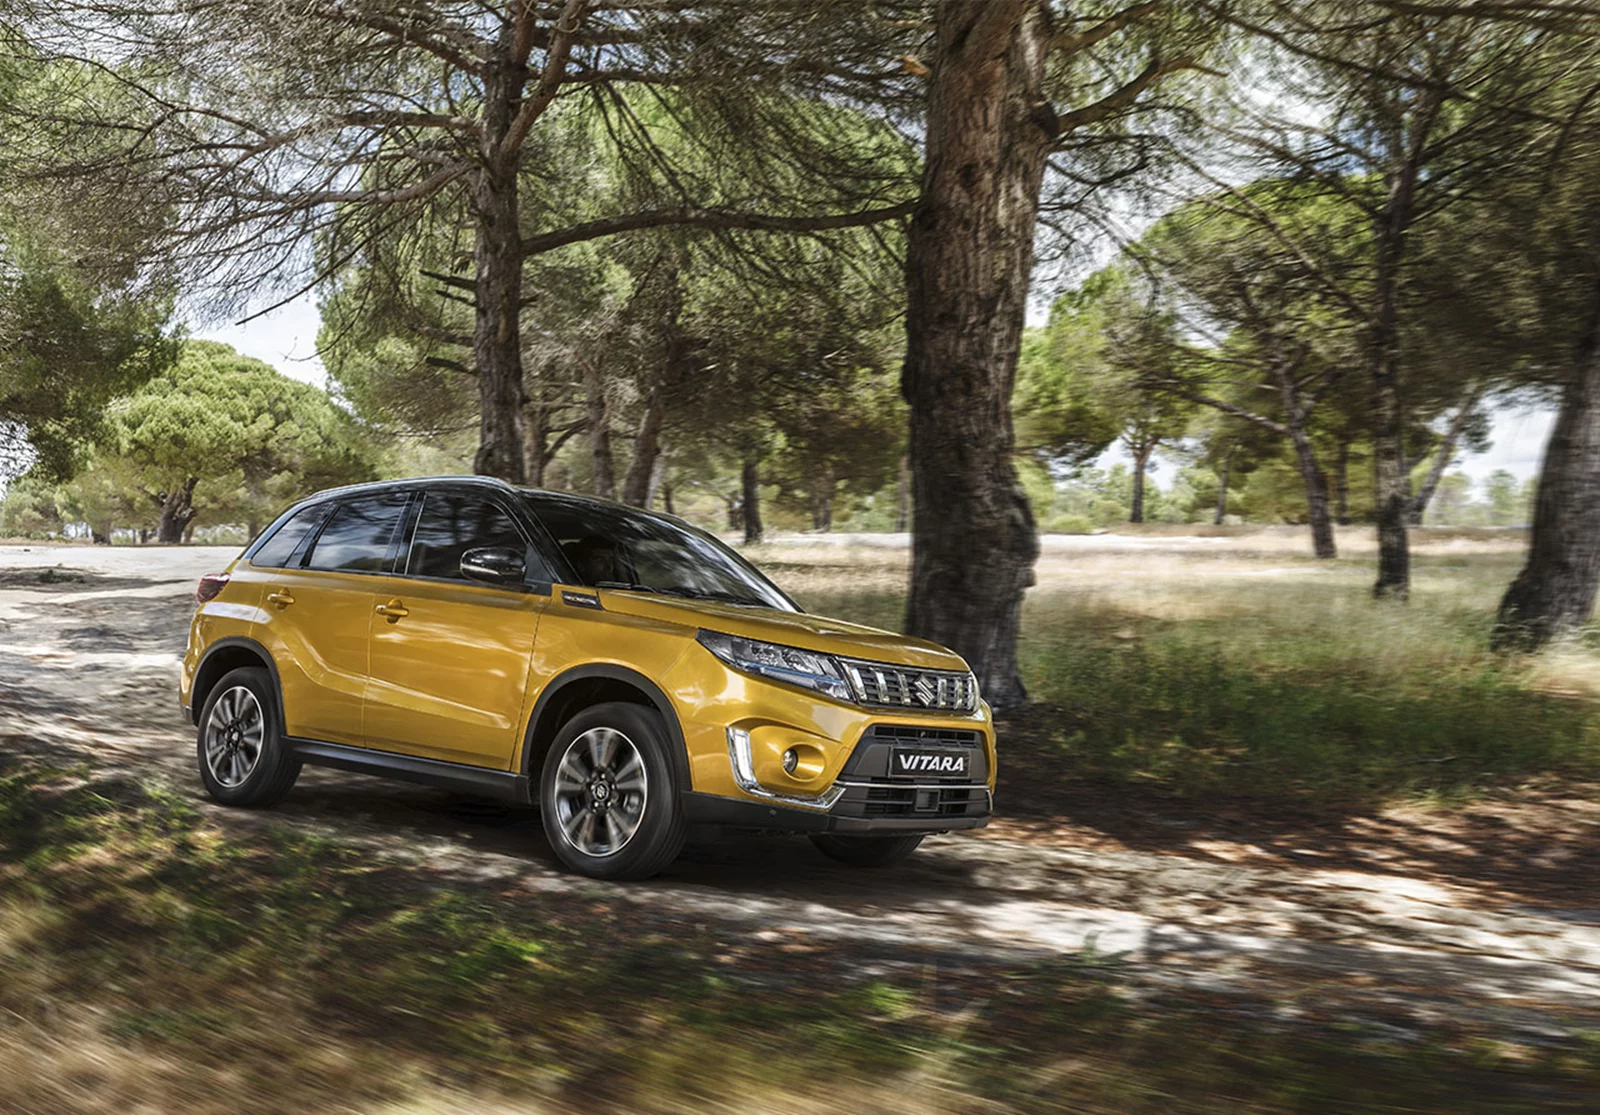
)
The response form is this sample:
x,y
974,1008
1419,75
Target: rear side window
x,y
453,523
356,539
284,542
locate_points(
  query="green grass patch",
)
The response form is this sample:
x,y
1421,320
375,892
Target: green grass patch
x,y
1280,677
149,956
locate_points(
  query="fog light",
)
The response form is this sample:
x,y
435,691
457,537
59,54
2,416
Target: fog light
x,y
791,759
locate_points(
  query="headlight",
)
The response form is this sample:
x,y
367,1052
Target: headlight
x,y
788,664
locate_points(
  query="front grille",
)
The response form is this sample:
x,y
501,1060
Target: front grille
x,y
877,683
914,733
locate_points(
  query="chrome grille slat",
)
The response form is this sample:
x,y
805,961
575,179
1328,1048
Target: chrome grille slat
x,y
887,686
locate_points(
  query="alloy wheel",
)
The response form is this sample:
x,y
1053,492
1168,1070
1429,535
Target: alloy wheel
x,y
600,792
235,733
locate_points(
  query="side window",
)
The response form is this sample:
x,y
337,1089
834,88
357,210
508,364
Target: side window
x,y
356,539
453,523
275,552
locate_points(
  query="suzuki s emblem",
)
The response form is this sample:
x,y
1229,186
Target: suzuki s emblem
x,y
926,690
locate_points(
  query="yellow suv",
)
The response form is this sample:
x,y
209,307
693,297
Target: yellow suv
x,y
631,674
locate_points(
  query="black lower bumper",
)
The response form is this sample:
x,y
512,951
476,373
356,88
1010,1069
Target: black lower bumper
x,y
713,810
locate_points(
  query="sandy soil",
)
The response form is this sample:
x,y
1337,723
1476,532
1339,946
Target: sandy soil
x,y
1401,920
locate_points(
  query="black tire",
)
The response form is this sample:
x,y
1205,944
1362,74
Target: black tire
x,y
867,851
660,828
273,770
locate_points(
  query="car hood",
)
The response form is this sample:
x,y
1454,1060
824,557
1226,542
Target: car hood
x,y
795,629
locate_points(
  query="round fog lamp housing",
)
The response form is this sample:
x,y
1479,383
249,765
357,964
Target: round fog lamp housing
x,y
791,760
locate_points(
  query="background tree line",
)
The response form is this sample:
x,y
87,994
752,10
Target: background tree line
x,y
702,254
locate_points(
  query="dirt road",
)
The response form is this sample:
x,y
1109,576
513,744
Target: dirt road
x,y
90,640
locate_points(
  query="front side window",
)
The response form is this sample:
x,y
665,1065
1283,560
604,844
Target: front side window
x,y
284,543
453,523
616,547
356,539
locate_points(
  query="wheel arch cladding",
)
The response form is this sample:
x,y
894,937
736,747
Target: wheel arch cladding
x,y
224,656
584,686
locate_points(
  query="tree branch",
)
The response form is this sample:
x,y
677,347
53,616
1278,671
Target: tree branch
x,y
555,69
711,219
1073,41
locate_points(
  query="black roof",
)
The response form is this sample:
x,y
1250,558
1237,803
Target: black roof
x,y
493,482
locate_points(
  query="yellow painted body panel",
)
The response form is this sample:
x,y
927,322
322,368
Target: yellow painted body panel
x,y
450,679
320,641
459,676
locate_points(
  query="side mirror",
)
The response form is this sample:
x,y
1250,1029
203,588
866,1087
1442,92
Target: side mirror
x,y
498,565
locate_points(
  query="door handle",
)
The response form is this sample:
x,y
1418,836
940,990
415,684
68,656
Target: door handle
x,y
393,610
281,599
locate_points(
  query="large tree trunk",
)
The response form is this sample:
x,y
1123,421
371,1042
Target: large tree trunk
x,y
1391,478
536,439
1222,490
1141,462
599,423
646,450
969,259
1555,592
177,512
1295,415
1341,484
750,501
496,335
1316,482
902,497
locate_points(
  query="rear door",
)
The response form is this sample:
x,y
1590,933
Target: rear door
x,y
450,661
319,610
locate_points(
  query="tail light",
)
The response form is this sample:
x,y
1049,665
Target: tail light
x,y
210,585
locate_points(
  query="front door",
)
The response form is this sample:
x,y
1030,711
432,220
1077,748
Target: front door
x,y
450,659
318,617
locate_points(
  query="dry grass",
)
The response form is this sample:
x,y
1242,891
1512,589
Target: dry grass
x,y
1235,663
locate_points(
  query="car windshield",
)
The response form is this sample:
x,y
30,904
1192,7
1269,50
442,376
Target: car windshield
x,y
616,547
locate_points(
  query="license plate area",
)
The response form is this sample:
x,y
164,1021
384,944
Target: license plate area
x,y
929,762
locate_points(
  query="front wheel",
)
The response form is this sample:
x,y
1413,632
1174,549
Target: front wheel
x,y
608,794
867,851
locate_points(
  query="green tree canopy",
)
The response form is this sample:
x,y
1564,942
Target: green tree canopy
x,y
255,438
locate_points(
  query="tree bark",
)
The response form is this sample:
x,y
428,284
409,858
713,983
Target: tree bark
x,y
750,490
902,497
1555,591
969,259
820,497
1341,484
1222,490
666,499
605,477
1390,475
177,512
1141,462
636,484
1296,415
536,438
1316,482
496,335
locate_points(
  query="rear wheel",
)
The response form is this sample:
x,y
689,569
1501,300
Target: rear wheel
x,y
866,851
243,760
608,794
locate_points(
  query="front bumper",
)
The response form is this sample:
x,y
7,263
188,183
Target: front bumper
x,y
714,810
867,797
